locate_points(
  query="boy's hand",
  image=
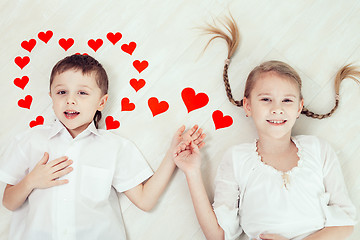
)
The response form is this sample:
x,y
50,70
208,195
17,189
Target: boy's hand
x,y
272,237
45,174
193,134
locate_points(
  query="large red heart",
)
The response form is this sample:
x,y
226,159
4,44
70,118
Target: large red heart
x,y
95,44
220,120
137,84
21,82
28,45
22,61
111,123
194,101
140,66
129,48
157,107
25,103
114,38
39,121
66,43
45,37
126,105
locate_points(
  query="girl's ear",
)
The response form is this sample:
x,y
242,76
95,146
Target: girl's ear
x,y
301,105
102,102
247,106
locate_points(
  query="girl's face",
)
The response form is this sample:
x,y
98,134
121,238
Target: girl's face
x,y
274,104
76,98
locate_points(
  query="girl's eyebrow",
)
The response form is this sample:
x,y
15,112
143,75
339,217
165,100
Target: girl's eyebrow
x,y
268,94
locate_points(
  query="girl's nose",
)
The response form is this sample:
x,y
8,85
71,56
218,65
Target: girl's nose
x,y
277,110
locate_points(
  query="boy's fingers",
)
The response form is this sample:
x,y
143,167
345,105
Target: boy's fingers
x,y
62,173
57,161
62,165
59,182
44,159
180,130
201,145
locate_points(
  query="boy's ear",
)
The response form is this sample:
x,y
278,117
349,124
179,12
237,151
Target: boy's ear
x,y
246,106
103,101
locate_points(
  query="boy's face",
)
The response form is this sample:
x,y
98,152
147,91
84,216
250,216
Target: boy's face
x,y
76,98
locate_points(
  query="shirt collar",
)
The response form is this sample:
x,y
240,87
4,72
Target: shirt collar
x,y
58,128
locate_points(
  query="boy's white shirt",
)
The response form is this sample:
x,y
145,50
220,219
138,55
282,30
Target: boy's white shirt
x,y
85,208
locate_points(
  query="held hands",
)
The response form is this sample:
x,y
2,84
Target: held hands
x,y
194,134
45,174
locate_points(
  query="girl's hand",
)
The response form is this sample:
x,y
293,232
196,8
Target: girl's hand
x,y
193,134
272,237
45,174
187,157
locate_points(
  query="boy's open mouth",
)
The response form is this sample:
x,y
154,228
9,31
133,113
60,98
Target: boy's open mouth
x,y
71,114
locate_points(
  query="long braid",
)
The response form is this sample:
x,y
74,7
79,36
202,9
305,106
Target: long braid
x,y
232,42
347,71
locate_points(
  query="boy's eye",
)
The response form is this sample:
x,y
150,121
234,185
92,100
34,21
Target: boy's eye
x,y
287,100
266,99
83,93
61,92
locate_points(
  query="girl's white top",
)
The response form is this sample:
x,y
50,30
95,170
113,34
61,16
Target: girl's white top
x,y
85,208
252,197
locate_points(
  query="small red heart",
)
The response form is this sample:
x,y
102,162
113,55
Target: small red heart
x,y
157,107
66,43
140,66
114,38
111,123
21,82
126,105
137,84
25,103
220,120
95,44
39,121
22,62
28,45
129,48
194,101
45,37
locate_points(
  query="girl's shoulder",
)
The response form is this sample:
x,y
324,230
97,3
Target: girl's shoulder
x,y
241,155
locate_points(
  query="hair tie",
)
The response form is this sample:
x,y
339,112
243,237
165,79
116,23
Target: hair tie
x,y
227,61
337,97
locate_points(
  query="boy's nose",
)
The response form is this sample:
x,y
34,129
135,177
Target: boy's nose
x,y
70,100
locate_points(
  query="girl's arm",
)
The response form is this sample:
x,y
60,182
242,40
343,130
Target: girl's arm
x,y
44,175
145,196
189,161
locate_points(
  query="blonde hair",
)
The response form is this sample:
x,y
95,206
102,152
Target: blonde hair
x,y
283,69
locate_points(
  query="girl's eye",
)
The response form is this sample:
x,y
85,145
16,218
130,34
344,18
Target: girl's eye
x,y
83,93
287,100
266,99
61,92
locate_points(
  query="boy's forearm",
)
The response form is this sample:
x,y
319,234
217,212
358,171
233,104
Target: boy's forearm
x,y
328,233
16,195
156,185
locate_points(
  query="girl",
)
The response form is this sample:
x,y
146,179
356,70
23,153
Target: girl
x,y
95,162
279,186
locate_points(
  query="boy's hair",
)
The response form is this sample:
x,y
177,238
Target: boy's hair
x,y
87,65
279,67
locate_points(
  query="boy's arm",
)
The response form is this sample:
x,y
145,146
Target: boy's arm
x,y
145,196
44,175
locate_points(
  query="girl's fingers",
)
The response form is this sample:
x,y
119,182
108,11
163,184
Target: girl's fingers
x,y
180,130
61,173
57,161
58,182
44,159
200,139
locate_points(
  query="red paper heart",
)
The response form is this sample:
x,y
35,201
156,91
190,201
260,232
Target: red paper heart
x,y
140,66
25,103
95,44
129,48
126,105
21,82
111,123
220,120
22,62
45,37
157,107
66,43
28,45
137,84
39,121
194,101
114,38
